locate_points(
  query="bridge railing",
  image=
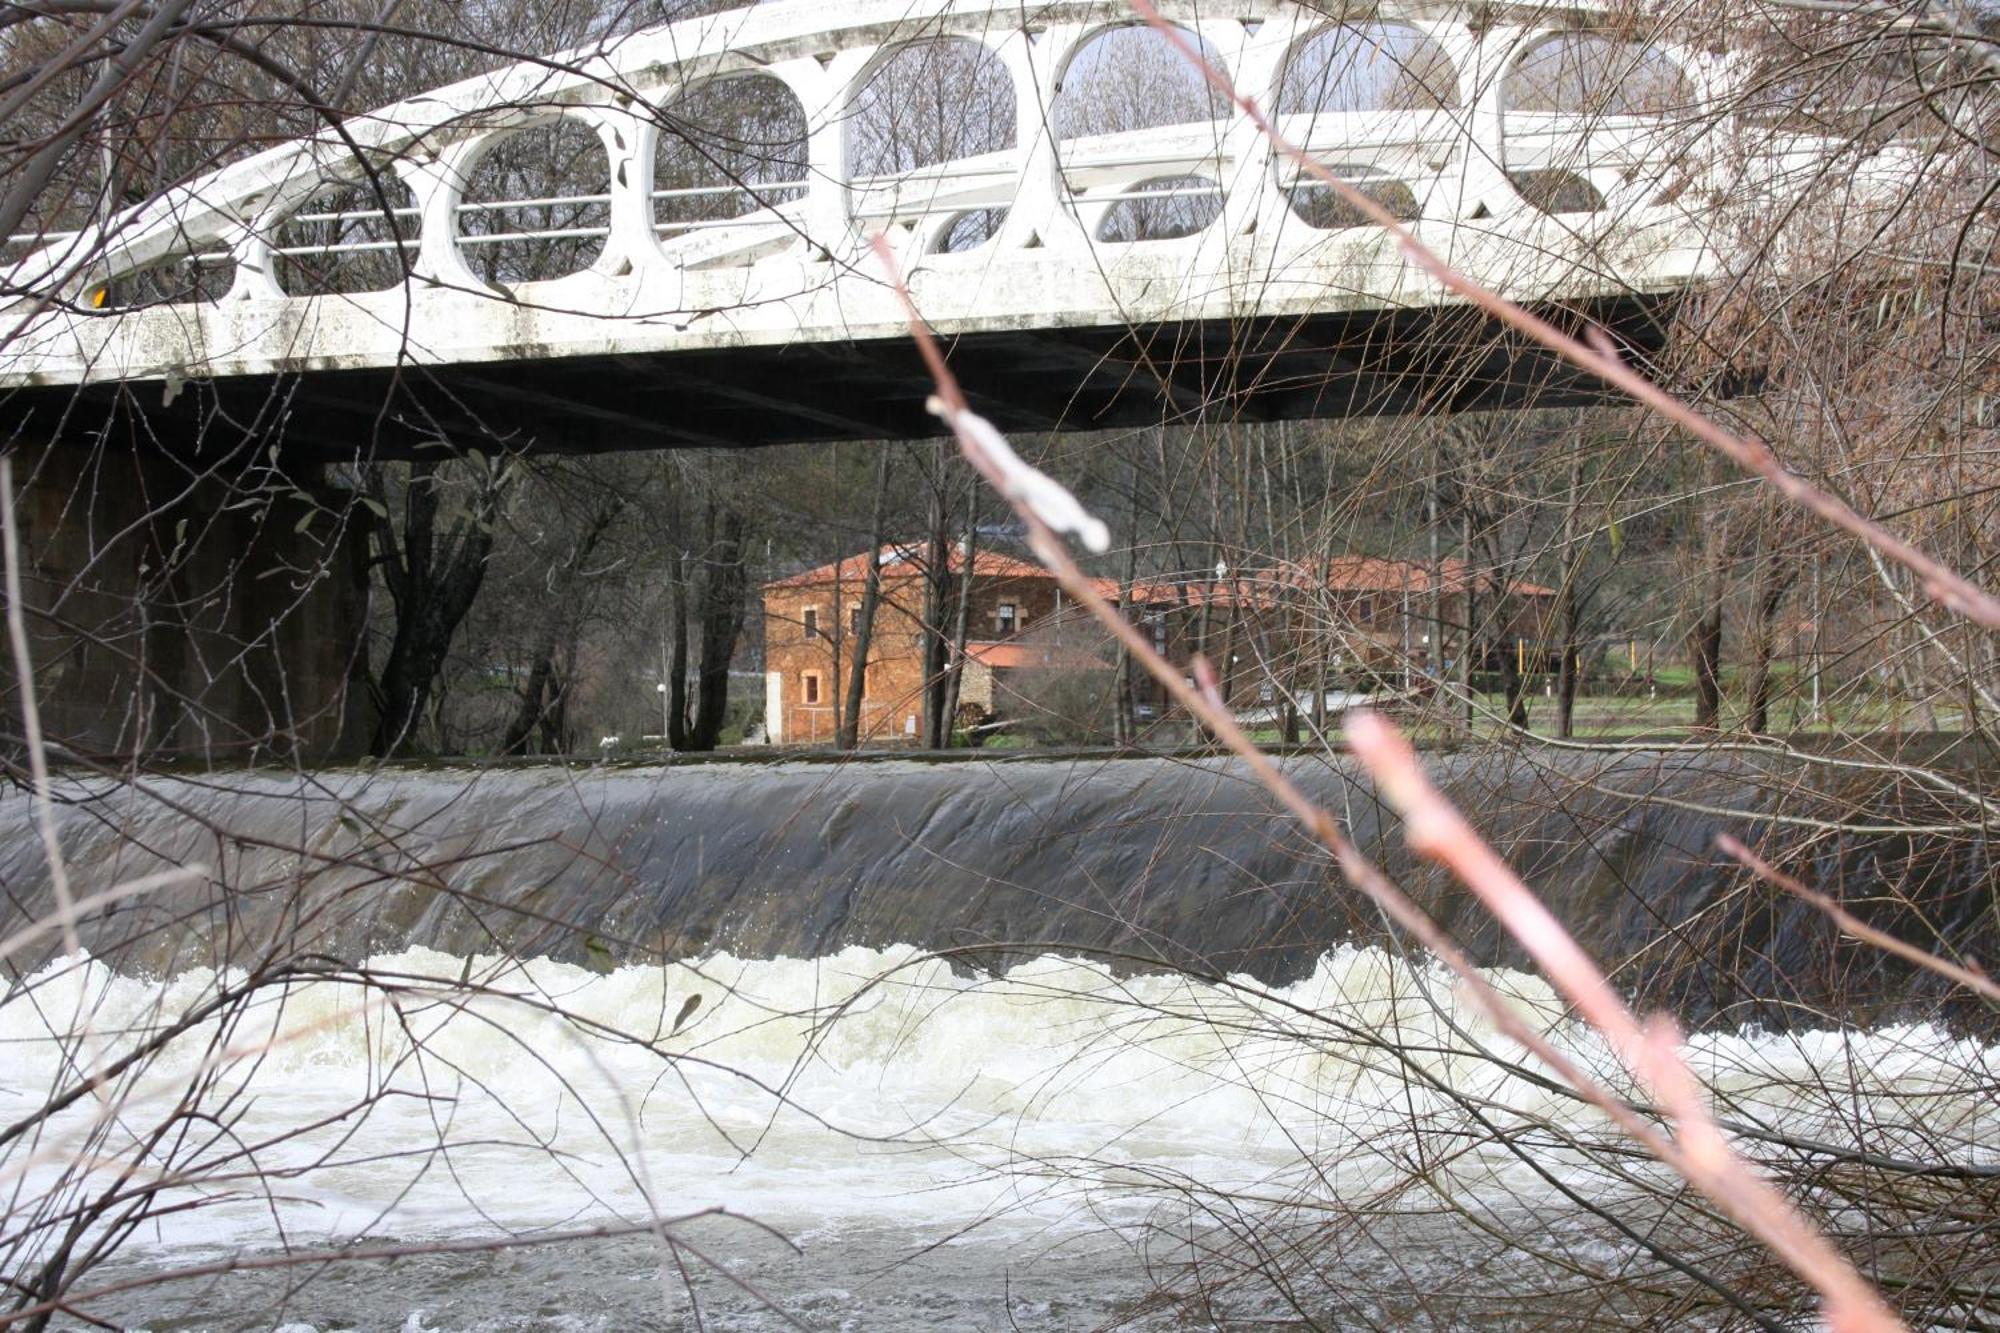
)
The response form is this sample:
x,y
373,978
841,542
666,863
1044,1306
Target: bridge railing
x,y
419,204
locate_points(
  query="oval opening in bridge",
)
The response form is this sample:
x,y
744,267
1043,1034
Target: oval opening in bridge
x,y
205,272
1582,107
1359,67
730,147
969,231
1318,204
537,206
1587,74
931,102
343,241
1130,107
1162,209
1555,191
59,244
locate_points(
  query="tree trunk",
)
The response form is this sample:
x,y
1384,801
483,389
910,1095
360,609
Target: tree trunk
x,y
433,584
1127,723
1569,610
1705,651
544,699
1514,686
1469,597
1705,641
556,736
1434,655
937,585
864,631
1771,592
722,600
677,665
532,710
1322,566
1568,669
962,621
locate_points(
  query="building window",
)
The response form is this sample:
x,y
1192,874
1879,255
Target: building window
x,y
1006,617
812,687
812,622
853,620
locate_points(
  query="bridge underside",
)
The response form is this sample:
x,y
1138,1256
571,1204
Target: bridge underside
x,y
1385,362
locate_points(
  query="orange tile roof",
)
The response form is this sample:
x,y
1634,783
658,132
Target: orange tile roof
x,y
906,560
1367,573
1011,654
1258,587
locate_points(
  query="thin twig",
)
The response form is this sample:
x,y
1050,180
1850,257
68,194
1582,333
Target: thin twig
x,y
1853,925
1434,828
31,716
1601,358
1699,1152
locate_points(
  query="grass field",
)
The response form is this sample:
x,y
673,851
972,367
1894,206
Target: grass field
x,y
1671,715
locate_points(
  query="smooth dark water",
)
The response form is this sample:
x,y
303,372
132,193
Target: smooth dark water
x,y
1151,861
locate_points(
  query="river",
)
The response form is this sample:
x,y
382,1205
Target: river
x,y
875,1138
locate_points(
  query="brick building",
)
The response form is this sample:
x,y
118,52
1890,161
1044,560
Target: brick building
x,y
1377,614
1281,627
811,619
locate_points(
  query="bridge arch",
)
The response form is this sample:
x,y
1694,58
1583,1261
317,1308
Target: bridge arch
x,y
1376,102
1587,119
1160,208
1323,208
534,203
926,101
1373,65
963,232
208,274
730,145
1593,73
1121,79
342,241
930,127
1146,64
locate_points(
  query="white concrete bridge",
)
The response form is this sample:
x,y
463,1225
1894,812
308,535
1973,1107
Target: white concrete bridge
x,y
1092,278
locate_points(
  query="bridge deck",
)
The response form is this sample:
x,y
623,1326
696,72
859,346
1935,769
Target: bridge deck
x,y
1265,369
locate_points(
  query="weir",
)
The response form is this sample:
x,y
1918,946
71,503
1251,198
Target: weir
x,y
986,1041
1144,864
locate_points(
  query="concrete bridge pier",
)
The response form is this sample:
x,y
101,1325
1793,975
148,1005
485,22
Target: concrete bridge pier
x,y
195,611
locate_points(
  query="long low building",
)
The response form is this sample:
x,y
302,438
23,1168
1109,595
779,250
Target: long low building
x,y
1031,655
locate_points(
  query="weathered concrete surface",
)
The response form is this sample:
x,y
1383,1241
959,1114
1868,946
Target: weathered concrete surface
x,y
173,614
1442,359
671,335
798,269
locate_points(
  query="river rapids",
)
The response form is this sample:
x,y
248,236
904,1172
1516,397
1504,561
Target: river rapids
x,y
888,1144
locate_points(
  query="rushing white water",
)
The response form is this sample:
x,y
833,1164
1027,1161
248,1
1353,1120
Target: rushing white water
x,y
873,1101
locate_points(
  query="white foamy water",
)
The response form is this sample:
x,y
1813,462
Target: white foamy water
x,y
868,1105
